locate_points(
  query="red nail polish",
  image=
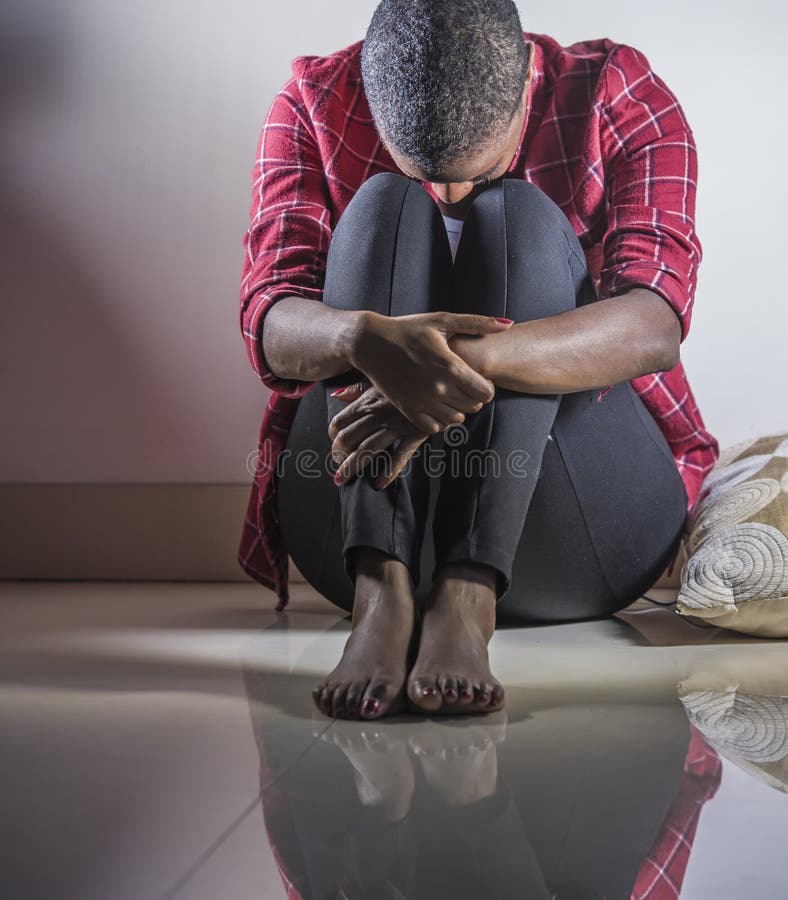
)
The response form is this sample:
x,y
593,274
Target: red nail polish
x,y
379,483
504,321
337,391
337,478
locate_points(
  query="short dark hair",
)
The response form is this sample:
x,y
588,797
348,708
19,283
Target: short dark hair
x,y
443,76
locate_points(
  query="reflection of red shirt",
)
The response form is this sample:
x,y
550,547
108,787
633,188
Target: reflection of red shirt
x,y
603,136
660,876
662,873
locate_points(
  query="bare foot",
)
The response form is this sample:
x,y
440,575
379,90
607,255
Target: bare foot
x,y
383,767
369,681
452,674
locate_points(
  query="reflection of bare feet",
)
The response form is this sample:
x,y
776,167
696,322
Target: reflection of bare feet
x,y
369,681
452,671
383,767
461,763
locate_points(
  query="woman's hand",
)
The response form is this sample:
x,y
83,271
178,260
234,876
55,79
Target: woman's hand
x,y
368,425
410,361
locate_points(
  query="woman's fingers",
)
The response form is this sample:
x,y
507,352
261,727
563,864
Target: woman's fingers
x,y
399,459
352,391
367,404
445,413
471,323
351,436
439,415
469,381
366,451
455,399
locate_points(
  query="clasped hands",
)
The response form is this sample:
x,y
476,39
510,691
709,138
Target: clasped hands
x,y
420,374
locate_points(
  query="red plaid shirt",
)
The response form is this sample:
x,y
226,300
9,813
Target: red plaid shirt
x,y
603,136
662,873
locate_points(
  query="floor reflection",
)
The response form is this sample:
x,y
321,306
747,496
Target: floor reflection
x,y
161,742
741,709
594,799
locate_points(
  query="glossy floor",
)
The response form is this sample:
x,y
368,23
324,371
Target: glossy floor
x,y
159,741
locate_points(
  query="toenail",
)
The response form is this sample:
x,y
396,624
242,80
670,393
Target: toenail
x,y
428,691
369,706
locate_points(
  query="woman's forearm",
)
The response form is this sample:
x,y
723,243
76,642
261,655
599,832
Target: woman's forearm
x,y
307,340
592,346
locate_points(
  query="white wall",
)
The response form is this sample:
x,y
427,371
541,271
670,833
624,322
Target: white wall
x,y
739,847
127,140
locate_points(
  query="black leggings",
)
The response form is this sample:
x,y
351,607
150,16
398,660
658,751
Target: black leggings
x,y
576,502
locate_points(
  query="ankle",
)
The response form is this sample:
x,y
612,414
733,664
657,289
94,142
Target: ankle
x,y
470,574
469,595
372,564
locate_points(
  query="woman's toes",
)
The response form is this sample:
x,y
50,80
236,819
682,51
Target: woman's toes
x,y
425,694
338,701
377,700
325,699
353,699
483,694
448,686
498,694
465,691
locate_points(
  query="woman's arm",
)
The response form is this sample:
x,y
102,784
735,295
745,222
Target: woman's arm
x,y
408,358
592,346
307,340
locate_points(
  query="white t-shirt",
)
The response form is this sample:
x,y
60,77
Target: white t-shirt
x,y
453,230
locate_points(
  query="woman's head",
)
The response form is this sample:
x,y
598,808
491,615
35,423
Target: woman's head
x,y
443,78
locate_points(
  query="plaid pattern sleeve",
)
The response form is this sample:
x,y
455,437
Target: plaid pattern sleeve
x,y
650,185
290,226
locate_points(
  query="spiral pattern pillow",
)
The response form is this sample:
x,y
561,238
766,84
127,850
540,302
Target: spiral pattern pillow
x,y
742,712
736,571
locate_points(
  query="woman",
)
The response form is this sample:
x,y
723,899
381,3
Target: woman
x,y
555,501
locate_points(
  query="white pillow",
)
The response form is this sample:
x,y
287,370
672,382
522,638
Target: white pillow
x,y
736,571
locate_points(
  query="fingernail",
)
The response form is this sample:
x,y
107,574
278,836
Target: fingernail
x,y
337,391
337,478
504,321
379,483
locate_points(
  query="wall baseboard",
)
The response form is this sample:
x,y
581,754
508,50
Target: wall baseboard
x,y
133,532
139,532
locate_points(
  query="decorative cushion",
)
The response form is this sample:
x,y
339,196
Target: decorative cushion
x,y
740,705
736,571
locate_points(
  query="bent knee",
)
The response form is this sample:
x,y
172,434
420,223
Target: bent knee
x,y
530,196
383,184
